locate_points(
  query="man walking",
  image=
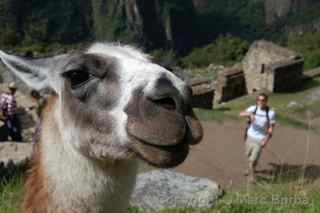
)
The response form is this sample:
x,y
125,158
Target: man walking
x,y
259,131
8,106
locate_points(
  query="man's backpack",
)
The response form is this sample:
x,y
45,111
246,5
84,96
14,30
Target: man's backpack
x,y
249,121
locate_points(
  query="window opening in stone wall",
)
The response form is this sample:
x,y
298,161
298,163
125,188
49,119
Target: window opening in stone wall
x,y
262,68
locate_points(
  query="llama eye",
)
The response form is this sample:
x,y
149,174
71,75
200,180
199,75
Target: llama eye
x,y
77,77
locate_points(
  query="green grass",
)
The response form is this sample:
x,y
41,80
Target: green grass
x,y
287,191
278,197
10,195
11,190
186,211
216,115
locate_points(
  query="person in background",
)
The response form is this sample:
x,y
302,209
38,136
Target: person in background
x,y
8,106
259,131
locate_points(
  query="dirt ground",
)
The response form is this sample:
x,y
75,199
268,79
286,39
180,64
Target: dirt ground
x,y
220,156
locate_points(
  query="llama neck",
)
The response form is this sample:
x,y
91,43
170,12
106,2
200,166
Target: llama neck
x,y
75,183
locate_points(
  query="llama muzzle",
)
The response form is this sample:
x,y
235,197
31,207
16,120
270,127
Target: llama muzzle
x,y
160,133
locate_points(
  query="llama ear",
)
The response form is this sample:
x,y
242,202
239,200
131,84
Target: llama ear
x,y
33,72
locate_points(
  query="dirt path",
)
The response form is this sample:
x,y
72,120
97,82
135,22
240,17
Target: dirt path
x,y
220,156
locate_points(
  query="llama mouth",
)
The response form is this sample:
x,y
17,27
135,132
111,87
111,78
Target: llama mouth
x,y
166,147
158,155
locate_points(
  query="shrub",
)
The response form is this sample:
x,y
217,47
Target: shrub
x,y
164,57
225,50
309,46
8,37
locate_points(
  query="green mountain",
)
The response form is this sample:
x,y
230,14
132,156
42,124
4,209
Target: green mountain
x,y
45,21
154,24
151,23
253,19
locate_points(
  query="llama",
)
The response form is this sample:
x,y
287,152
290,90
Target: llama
x,y
112,107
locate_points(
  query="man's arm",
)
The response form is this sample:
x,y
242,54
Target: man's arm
x,y
245,114
269,135
248,113
269,130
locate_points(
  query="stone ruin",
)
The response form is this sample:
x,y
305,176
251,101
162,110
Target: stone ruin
x,y
230,84
269,67
266,67
202,92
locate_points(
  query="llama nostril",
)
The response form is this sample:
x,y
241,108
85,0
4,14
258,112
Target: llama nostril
x,y
166,94
167,103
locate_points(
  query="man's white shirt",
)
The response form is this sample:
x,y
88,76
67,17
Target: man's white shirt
x,y
258,128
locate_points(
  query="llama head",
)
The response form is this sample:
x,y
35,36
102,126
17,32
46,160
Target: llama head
x,y
113,103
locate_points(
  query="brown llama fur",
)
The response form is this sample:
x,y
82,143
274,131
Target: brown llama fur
x,y
36,197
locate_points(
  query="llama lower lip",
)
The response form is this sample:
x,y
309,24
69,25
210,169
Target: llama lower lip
x,y
160,156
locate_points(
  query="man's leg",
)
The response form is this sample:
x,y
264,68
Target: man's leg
x,y
253,157
252,171
248,150
4,132
15,130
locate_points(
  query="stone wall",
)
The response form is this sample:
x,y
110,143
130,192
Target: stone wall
x,y
270,67
202,92
287,75
230,84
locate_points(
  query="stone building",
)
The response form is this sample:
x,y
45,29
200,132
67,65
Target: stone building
x,y
230,84
269,67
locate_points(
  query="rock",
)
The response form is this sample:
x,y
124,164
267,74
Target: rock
x,y
294,104
164,189
278,9
182,74
215,68
201,4
314,95
16,153
150,23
